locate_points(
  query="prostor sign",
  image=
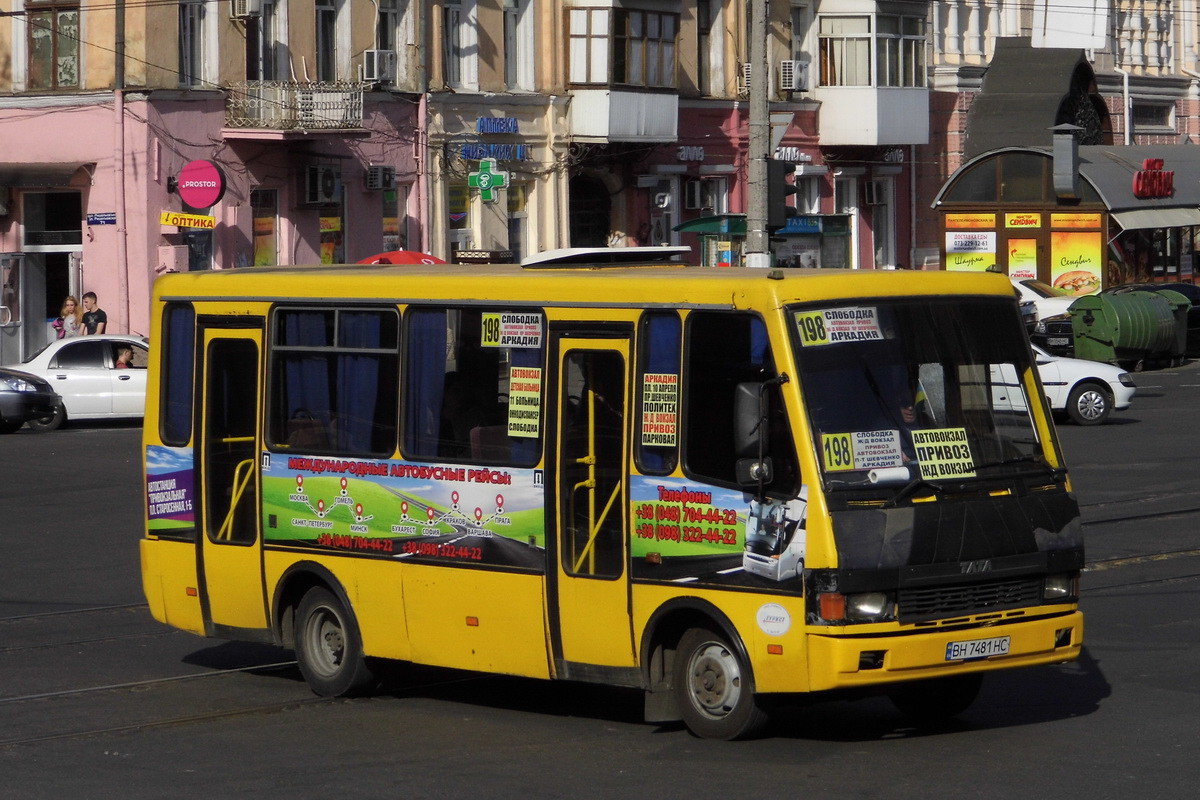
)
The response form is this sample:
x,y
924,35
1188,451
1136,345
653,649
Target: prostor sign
x,y
201,184
1152,180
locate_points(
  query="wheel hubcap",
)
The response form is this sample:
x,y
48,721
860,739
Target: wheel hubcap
x,y
1091,405
328,642
715,680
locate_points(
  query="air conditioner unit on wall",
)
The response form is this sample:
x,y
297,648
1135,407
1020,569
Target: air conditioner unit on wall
x,y
744,78
793,76
379,66
379,178
241,9
322,184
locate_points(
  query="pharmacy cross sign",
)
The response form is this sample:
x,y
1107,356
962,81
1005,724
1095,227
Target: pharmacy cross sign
x,y
487,180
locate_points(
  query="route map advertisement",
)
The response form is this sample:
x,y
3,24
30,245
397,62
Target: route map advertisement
x,y
440,513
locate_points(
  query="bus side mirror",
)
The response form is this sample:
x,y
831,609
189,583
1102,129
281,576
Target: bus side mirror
x,y
750,435
749,420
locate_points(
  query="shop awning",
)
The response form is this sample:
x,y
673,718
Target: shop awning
x,y
730,224
39,175
1157,218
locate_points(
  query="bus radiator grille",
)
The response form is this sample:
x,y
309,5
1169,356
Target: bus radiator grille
x,y
937,602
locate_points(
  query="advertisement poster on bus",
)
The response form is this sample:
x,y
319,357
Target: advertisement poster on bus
x,y
441,513
170,490
683,531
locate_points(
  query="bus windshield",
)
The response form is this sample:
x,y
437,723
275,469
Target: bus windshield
x,y
919,389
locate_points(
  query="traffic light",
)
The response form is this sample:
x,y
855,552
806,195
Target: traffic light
x,y
778,190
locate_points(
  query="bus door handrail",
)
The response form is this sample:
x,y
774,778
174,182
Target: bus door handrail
x,y
239,488
588,552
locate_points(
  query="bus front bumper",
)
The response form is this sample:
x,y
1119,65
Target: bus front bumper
x,y
841,662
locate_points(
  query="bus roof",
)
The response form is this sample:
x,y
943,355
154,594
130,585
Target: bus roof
x,y
649,286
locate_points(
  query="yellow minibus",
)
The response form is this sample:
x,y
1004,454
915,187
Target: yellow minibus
x,y
718,486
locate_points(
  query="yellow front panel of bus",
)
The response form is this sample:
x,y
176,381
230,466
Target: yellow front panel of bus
x,y
478,620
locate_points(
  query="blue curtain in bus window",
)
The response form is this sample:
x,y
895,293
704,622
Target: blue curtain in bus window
x,y
525,450
663,340
180,356
306,377
357,381
426,351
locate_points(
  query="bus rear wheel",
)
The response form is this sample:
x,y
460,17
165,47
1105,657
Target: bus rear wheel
x,y
937,700
329,647
715,689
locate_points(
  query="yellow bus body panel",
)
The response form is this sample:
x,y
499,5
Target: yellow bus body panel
x,y
834,660
782,672
168,571
477,619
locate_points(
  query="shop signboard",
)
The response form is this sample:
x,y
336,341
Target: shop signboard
x,y
971,251
1075,220
1022,258
1022,220
972,220
1076,261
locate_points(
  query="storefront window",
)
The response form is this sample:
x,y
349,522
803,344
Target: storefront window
x,y
264,207
518,219
333,248
394,234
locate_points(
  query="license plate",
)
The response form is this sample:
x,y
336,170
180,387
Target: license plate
x,y
1057,341
977,648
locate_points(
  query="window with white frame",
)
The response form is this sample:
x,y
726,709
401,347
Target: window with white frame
x,y
518,45
327,54
53,46
845,49
191,43
899,51
871,50
808,194
461,44
588,44
262,46
394,32
642,47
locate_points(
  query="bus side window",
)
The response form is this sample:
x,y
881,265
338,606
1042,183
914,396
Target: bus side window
x,y
466,399
334,374
178,354
722,350
658,370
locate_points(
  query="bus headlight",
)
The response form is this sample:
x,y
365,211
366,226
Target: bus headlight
x,y
1061,587
869,606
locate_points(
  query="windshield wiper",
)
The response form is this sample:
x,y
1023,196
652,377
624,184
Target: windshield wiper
x,y
909,488
1034,460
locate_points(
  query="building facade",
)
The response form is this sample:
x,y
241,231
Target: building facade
x,y
343,128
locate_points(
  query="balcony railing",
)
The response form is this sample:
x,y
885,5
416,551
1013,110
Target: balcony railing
x,y
287,105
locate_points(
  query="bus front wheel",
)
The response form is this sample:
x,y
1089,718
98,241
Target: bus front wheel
x,y
715,688
329,647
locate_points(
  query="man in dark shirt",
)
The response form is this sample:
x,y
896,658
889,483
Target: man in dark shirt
x,y
94,319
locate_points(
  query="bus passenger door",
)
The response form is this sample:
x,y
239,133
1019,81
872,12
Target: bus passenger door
x,y
232,593
590,606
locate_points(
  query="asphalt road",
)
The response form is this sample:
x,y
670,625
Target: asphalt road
x,y
98,700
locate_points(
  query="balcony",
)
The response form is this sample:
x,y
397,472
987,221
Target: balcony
x,y
613,115
869,115
284,106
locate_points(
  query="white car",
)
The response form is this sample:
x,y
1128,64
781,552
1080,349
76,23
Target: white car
x,y
1087,391
84,372
1050,302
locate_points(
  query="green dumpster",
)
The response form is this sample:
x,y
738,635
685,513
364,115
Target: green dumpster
x,y
1125,328
1179,306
